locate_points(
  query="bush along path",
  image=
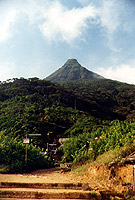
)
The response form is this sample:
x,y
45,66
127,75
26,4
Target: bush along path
x,y
12,155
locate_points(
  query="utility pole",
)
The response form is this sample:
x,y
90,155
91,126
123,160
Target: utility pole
x,y
134,179
26,154
27,141
75,104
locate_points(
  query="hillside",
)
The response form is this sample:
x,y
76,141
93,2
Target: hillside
x,y
27,100
110,97
72,71
98,96
23,103
87,111
39,106
82,111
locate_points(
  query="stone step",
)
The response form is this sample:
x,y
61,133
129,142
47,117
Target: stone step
x,y
75,186
33,193
36,199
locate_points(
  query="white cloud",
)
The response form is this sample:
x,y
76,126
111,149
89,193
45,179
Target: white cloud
x,y
56,21
66,24
16,11
123,73
109,15
7,19
33,10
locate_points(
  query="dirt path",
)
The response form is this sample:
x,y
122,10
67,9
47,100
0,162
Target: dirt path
x,y
53,175
98,178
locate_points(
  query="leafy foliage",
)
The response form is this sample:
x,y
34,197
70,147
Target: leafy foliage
x,y
12,154
102,138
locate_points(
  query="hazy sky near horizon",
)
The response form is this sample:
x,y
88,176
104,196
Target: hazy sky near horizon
x,y
38,36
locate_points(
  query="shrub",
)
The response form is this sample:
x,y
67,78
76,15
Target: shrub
x,y
12,153
88,145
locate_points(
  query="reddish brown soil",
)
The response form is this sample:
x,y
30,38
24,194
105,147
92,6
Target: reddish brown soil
x,y
117,179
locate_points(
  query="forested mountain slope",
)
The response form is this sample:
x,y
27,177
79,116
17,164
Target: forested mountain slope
x,y
39,106
112,97
82,110
103,98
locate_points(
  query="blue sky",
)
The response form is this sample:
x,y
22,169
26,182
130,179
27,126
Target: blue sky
x,y
38,36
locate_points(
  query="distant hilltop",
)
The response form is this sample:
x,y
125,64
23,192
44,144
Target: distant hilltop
x,y
72,71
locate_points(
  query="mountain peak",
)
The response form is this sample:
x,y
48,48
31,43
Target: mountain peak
x,y
71,61
72,71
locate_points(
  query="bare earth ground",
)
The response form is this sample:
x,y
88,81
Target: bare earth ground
x,y
98,177
53,175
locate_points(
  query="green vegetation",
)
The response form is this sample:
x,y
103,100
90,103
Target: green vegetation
x,y
105,98
101,138
97,116
12,155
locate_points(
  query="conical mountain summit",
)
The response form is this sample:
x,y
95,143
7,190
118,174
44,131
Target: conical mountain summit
x,y
72,71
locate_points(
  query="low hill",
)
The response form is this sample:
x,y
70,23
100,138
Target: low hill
x,y
72,71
